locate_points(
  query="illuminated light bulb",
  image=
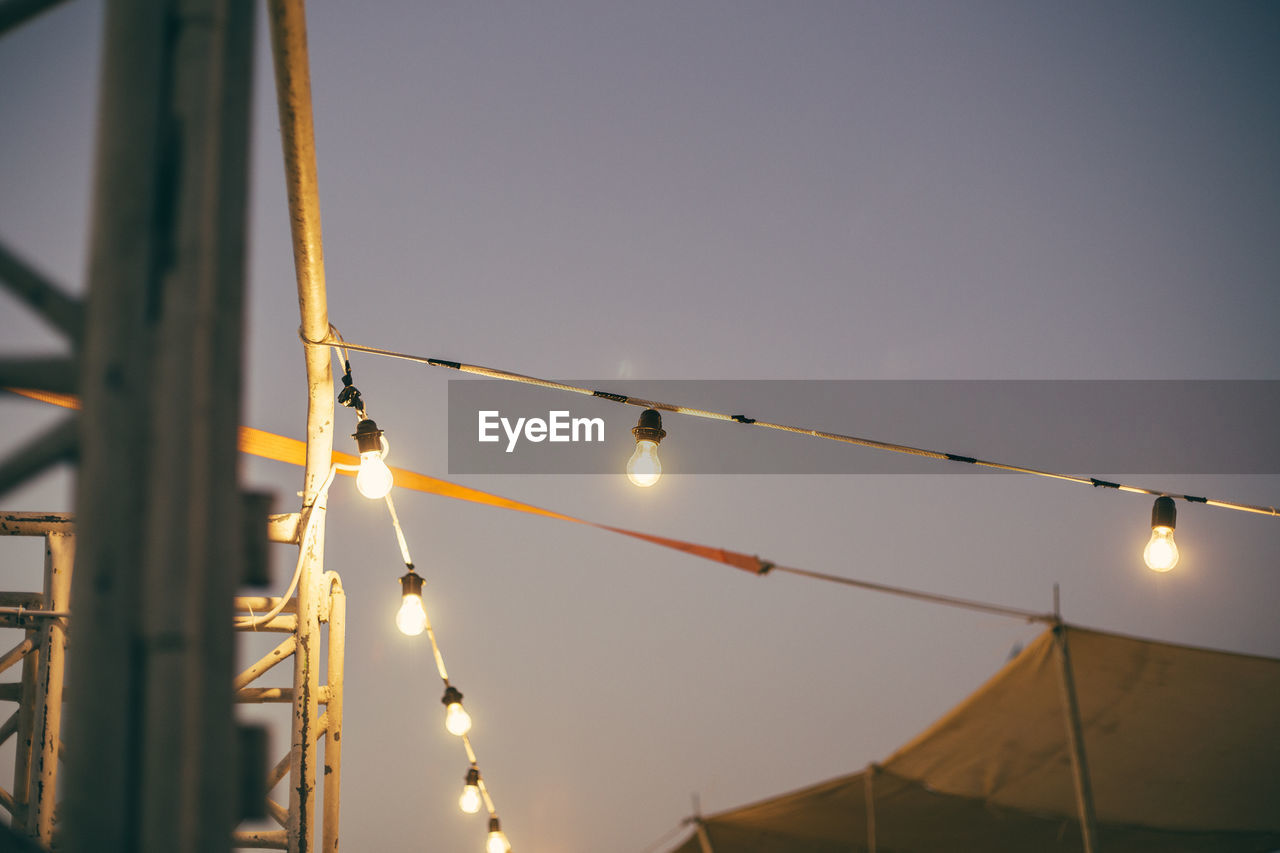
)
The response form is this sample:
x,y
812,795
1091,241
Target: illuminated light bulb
x,y
412,616
456,718
374,479
1161,553
497,840
469,802
644,468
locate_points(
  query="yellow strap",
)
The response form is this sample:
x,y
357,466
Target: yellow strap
x,y
268,445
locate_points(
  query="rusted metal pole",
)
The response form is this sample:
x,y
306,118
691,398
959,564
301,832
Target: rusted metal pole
x,y
306,690
25,715
16,654
333,710
265,663
59,560
268,840
1075,741
297,136
297,132
36,523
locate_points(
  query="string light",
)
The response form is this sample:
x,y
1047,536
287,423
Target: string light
x,y
456,718
644,468
497,841
494,373
1161,553
469,802
412,616
374,479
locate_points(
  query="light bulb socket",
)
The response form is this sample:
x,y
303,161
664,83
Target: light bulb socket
x,y
473,777
494,826
451,695
1164,513
368,437
650,427
411,583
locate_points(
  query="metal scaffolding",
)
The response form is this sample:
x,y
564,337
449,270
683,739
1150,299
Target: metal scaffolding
x,y
37,721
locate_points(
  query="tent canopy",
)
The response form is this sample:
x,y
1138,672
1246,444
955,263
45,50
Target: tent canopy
x,y
1181,746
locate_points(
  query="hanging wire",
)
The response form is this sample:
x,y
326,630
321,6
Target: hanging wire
x,y
395,522
314,512
494,373
948,600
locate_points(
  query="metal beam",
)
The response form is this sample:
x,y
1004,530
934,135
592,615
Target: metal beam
x,y
65,313
25,724
60,552
265,663
16,654
15,12
269,840
9,727
58,444
58,374
34,524
251,604
333,713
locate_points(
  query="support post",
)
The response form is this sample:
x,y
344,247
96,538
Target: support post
x,y
59,560
869,779
306,690
1075,739
703,841
333,710
297,135
25,724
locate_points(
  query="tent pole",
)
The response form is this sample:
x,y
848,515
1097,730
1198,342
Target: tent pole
x,y
1075,739
869,779
703,841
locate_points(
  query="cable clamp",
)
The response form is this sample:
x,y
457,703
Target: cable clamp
x,y
956,458
440,362
617,398
742,419
763,567
1103,484
1194,499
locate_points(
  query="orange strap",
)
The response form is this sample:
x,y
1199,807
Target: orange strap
x,y
268,445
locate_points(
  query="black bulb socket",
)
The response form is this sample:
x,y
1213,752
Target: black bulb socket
x,y
494,826
473,777
650,427
451,695
1164,513
367,435
411,583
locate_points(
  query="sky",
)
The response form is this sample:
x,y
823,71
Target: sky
x,y
706,190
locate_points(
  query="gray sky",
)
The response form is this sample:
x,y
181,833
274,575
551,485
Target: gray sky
x,y
725,190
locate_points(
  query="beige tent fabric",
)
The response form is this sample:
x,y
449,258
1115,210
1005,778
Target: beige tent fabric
x,y
1182,744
